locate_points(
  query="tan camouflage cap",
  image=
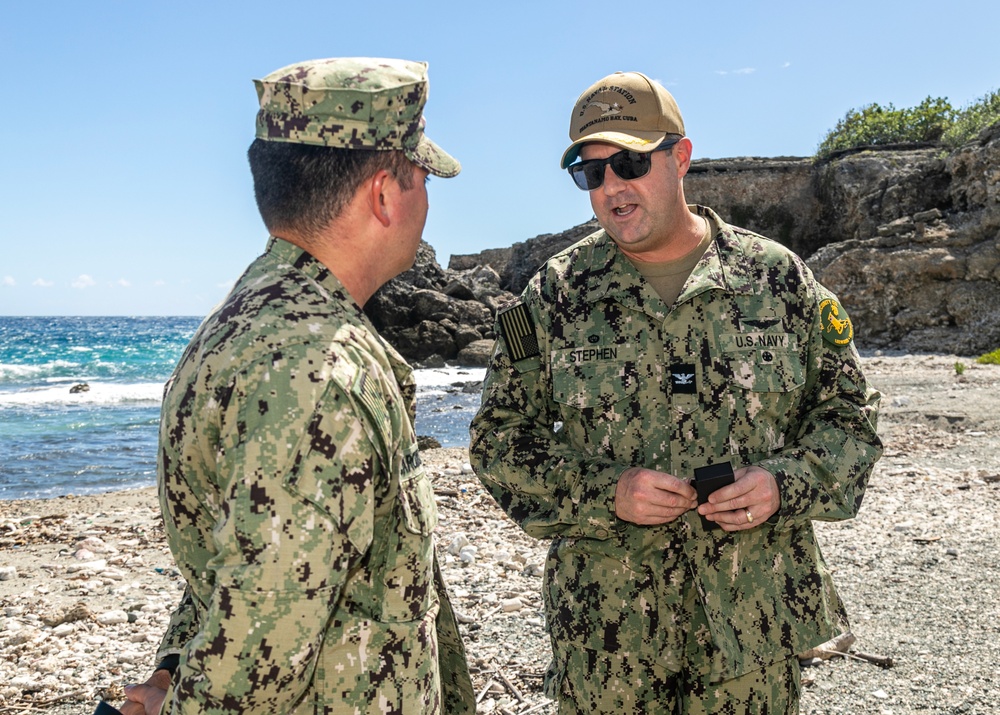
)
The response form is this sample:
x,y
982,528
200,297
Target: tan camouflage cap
x,y
352,103
626,109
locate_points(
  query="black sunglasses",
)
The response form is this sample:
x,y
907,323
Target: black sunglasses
x,y
627,165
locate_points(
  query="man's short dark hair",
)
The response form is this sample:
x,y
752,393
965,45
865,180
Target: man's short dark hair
x,y
301,187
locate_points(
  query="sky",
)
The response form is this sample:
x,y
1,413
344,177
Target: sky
x,y
124,187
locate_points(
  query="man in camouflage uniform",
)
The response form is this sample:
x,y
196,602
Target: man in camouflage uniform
x,y
666,342
293,495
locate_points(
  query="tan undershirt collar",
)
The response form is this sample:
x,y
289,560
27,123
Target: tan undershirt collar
x,y
668,277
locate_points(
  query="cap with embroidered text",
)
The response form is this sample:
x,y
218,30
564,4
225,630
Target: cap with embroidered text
x,y
626,109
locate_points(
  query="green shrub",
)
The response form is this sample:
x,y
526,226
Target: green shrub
x,y
992,358
971,120
932,120
959,368
874,125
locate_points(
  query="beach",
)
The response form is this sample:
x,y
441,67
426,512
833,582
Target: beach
x,y
87,583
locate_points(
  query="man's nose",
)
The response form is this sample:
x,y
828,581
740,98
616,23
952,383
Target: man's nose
x,y
612,182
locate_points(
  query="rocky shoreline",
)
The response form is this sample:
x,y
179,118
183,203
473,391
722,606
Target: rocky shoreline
x,y
87,584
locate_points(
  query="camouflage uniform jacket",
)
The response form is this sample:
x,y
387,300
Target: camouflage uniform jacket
x,y
298,512
595,374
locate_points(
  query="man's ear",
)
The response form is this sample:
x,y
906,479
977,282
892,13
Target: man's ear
x,y
682,154
377,196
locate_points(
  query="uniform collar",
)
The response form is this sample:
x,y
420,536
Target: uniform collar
x,y
723,267
305,263
328,285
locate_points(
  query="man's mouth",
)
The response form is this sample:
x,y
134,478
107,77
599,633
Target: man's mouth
x,y
623,210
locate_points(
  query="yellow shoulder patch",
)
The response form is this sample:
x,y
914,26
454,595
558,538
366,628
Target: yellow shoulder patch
x,y
835,323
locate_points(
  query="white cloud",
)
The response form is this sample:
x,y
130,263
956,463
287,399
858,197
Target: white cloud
x,y
159,283
9,281
42,283
84,281
786,65
124,283
228,285
743,70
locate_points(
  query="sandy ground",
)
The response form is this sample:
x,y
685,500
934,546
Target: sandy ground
x,y
86,583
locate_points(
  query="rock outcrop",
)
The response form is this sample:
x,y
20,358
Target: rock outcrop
x,y
908,237
926,278
431,314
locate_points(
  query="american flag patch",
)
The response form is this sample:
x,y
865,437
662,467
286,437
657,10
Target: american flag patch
x,y
518,332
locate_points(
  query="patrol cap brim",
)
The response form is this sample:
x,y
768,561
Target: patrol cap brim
x,y
430,156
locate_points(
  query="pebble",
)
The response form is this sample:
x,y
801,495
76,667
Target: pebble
x,y
511,605
96,545
458,542
26,682
112,618
534,570
87,566
64,629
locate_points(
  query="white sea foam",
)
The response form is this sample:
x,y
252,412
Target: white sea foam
x,y
432,381
12,371
99,394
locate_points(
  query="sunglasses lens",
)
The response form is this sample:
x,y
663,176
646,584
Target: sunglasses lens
x,y
629,165
588,175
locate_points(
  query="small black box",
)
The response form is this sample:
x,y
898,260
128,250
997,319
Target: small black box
x,y
707,480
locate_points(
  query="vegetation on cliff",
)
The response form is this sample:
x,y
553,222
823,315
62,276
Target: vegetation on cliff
x,y
932,121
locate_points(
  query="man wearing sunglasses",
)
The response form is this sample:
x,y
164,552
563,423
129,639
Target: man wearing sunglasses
x,y
666,348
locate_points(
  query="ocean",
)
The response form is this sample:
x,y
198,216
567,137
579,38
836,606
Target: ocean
x,y
55,440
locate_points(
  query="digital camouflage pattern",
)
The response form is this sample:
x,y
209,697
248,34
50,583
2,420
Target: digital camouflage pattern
x,y
352,103
297,510
737,369
624,689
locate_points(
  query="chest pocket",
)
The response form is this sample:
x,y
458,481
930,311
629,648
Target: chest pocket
x,y
594,379
765,389
764,361
767,371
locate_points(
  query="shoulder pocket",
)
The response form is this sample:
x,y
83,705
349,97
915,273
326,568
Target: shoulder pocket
x,y
332,467
416,495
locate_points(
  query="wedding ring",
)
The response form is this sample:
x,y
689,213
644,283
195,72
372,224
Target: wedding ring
x,y
749,516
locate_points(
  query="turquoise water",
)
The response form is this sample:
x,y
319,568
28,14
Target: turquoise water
x,y
55,442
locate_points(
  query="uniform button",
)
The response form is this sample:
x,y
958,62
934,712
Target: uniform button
x,y
602,533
